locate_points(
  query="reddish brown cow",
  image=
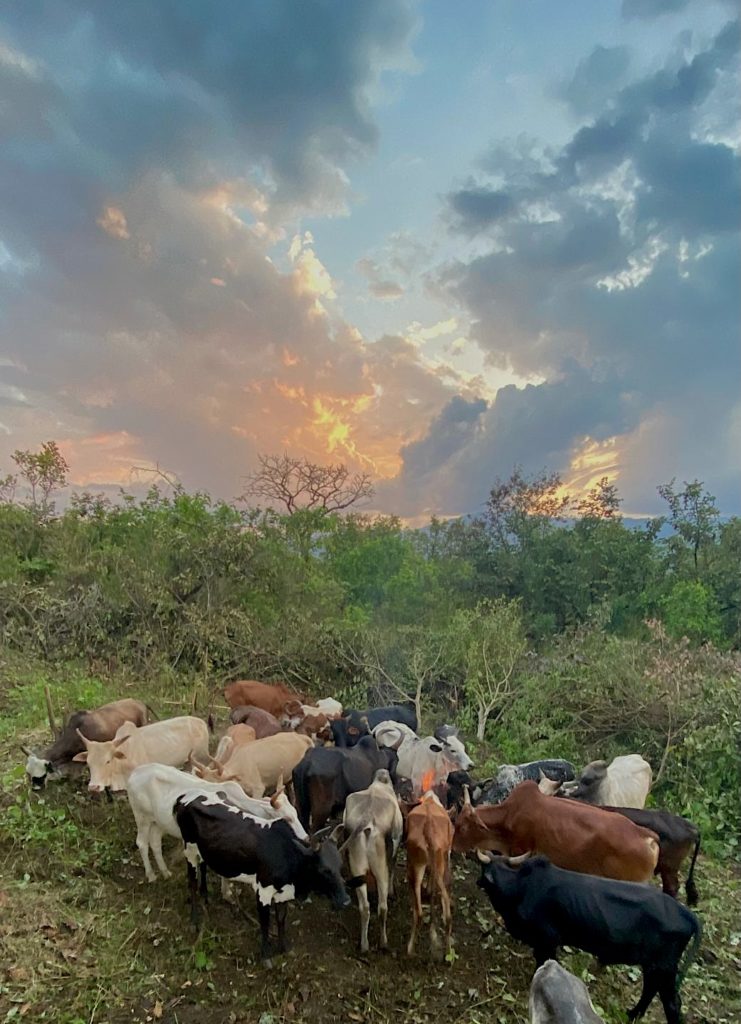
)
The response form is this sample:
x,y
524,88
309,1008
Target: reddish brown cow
x,y
574,836
271,697
316,726
429,842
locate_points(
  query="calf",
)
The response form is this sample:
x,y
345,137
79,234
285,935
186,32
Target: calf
x,y
271,697
429,842
624,782
152,790
373,825
172,742
265,855
315,726
100,725
326,776
235,736
557,997
259,766
573,835
261,721
618,922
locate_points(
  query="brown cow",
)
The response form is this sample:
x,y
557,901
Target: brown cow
x,y
572,835
100,724
261,721
315,726
235,736
271,697
429,842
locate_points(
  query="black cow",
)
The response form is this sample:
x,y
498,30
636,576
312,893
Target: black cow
x,y
510,775
348,730
265,854
325,777
618,922
677,837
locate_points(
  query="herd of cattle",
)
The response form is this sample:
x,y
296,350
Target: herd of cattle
x,y
565,861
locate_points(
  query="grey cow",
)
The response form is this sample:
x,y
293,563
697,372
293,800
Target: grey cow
x,y
557,997
373,826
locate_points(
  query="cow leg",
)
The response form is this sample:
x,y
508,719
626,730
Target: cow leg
x,y
670,1000
155,842
383,885
446,913
364,908
416,874
204,882
670,882
263,914
651,982
196,914
281,913
142,842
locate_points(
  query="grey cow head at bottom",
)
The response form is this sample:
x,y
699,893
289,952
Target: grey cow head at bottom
x,y
558,997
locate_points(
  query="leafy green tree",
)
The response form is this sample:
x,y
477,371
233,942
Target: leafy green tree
x,y
42,471
690,610
694,517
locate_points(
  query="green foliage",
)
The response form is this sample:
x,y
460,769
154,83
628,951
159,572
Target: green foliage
x,y
690,610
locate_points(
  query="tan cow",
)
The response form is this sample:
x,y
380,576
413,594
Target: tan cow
x,y
429,842
171,742
259,766
235,736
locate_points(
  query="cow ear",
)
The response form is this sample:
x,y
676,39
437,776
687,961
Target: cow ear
x,y
436,748
120,754
81,757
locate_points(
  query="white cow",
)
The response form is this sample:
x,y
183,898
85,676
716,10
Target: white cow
x,y
172,742
425,761
625,782
374,827
153,789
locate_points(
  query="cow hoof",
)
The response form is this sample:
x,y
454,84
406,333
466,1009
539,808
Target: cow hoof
x,y
165,874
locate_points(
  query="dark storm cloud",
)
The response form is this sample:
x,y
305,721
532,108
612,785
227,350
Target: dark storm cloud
x,y
596,79
450,431
615,277
477,207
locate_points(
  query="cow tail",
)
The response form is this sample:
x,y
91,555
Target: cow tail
x,y
690,953
210,722
689,886
301,797
152,713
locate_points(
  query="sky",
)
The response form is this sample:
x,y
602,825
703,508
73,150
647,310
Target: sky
x,y
429,240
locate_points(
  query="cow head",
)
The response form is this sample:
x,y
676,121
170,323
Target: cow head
x,y
474,832
502,882
106,761
590,781
326,871
357,727
37,768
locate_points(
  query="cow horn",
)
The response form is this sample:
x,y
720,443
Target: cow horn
x,y
83,738
466,797
218,763
27,751
516,861
485,856
121,739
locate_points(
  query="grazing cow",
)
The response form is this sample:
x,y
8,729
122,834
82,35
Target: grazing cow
x,y
677,838
557,997
348,730
618,922
261,721
372,827
152,790
508,776
100,724
426,761
271,697
171,742
625,782
266,855
259,766
326,776
429,842
572,835
235,736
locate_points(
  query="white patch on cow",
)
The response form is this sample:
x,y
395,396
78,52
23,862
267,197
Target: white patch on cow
x,y
192,854
457,752
267,894
36,767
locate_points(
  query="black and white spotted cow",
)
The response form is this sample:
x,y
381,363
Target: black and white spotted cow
x,y
267,855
